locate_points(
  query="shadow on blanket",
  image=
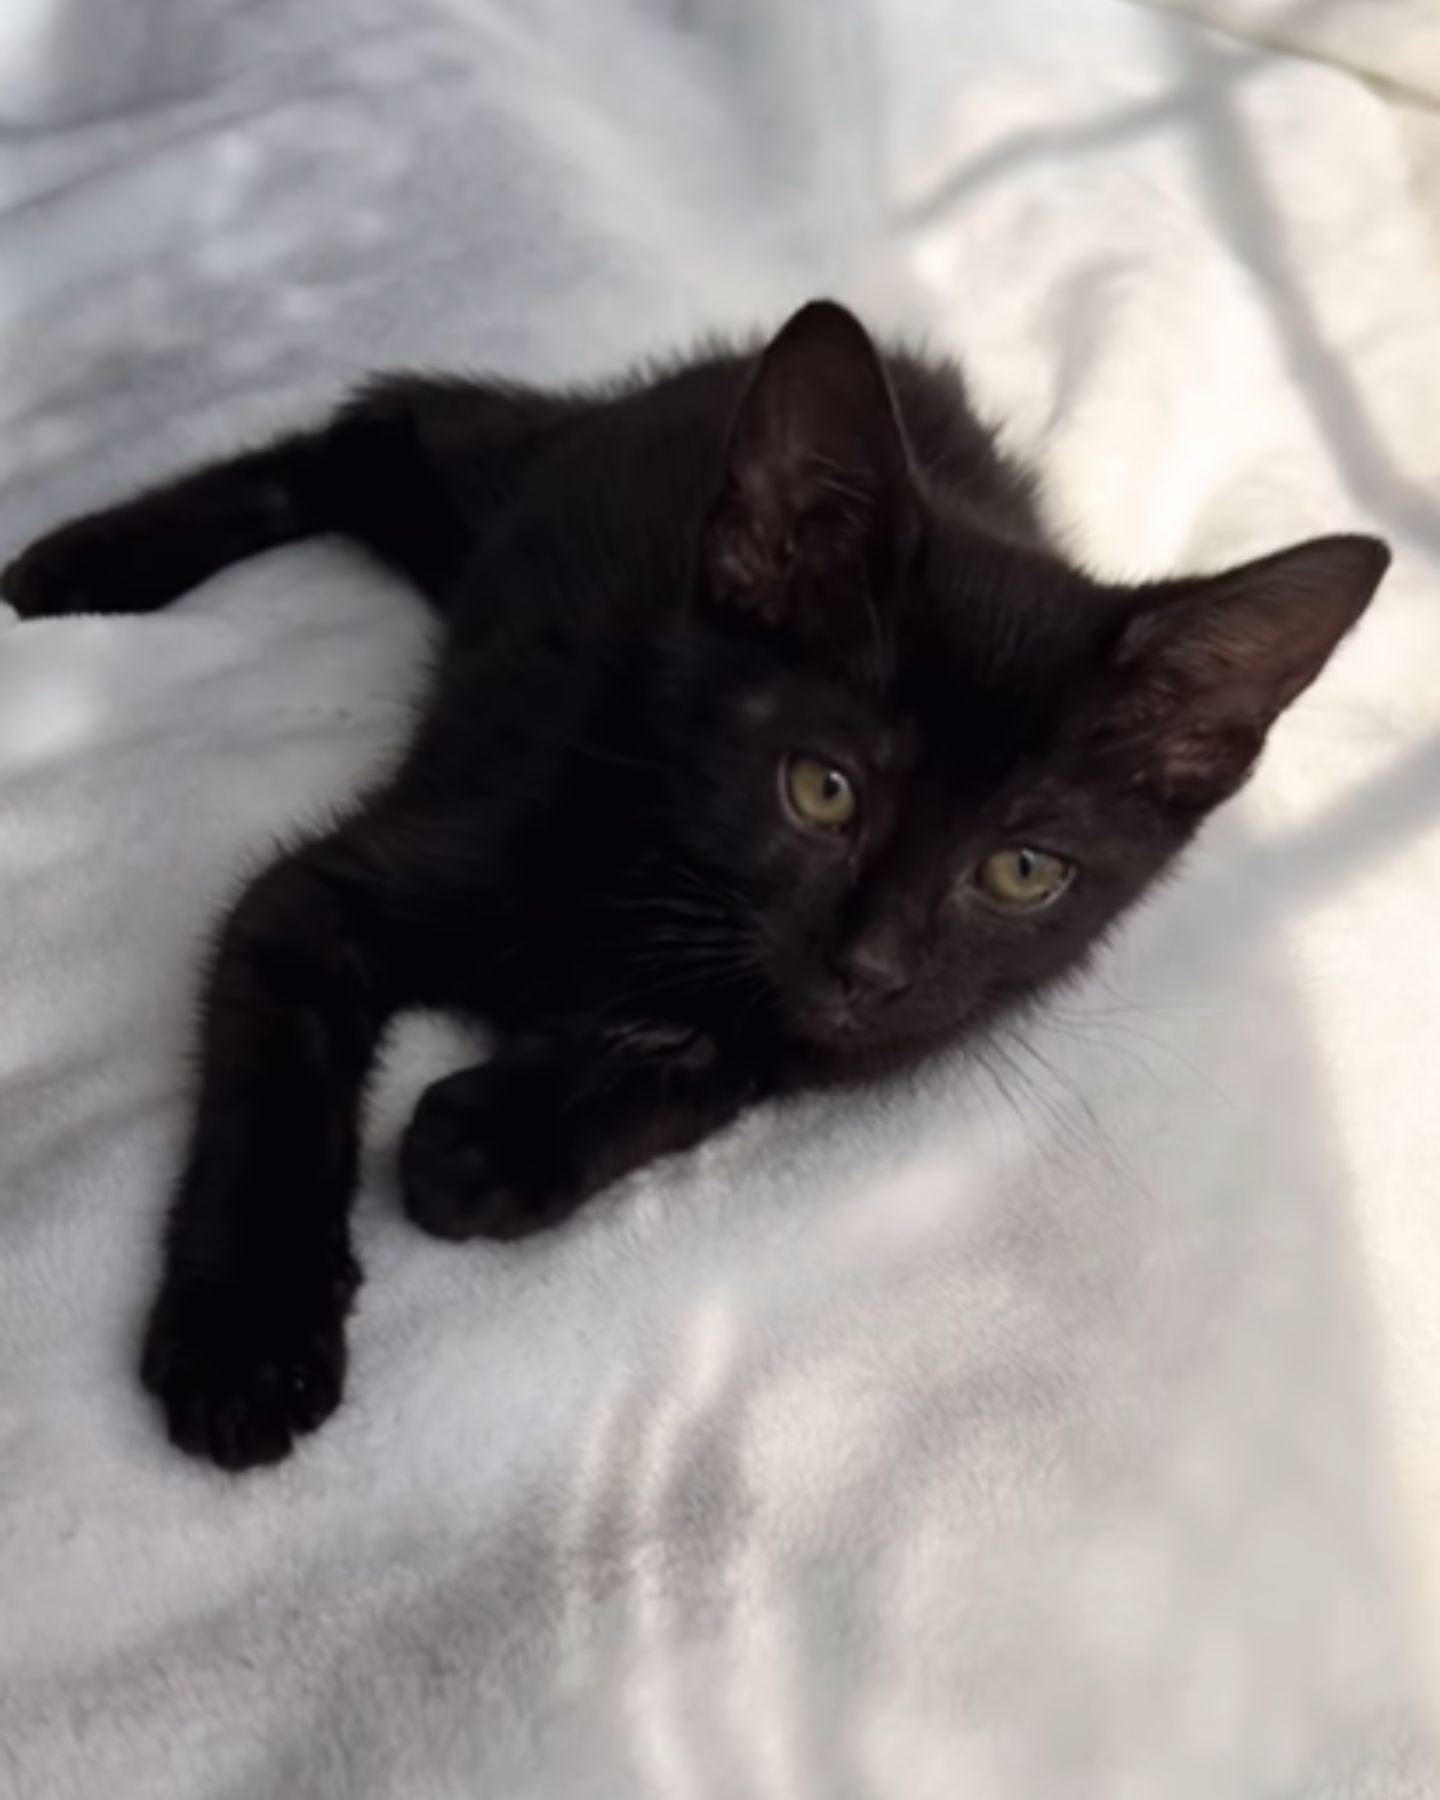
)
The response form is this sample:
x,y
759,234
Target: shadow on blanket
x,y
1203,102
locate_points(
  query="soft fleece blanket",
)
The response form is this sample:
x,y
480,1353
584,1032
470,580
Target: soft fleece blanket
x,y
1063,1426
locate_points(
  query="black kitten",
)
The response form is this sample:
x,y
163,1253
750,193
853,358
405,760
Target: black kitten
x,y
769,744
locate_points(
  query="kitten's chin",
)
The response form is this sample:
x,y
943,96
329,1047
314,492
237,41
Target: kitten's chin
x,y
837,1033
832,1038
831,1035
821,1014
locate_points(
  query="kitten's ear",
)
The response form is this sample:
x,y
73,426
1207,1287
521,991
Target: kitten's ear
x,y
1207,666
816,494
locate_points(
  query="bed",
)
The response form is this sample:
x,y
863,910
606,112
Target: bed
x,y
1060,1423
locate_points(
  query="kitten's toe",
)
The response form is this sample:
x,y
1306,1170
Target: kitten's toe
x,y
455,1181
43,582
103,563
240,1371
74,569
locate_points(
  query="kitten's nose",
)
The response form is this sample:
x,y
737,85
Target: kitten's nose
x,y
875,968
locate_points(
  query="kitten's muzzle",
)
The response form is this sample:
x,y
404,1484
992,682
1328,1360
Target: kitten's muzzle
x,y
872,971
850,999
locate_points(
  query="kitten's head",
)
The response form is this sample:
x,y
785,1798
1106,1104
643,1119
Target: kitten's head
x,y
932,767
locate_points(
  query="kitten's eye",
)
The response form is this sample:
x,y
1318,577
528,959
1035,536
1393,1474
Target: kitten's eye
x,y
819,794
1024,878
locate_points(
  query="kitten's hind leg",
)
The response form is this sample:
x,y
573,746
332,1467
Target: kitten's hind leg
x,y
142,554
410,467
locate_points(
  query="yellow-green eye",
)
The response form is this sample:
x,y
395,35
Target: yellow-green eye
x,y
820,794
1021,877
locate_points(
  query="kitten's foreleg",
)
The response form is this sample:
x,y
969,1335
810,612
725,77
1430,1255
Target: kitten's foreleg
x,y
245,1347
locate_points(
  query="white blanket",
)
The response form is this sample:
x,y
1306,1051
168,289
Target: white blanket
x,y
1069,1428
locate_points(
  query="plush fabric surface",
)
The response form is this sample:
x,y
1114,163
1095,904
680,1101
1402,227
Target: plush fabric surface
x,y
1395,40
1068,1426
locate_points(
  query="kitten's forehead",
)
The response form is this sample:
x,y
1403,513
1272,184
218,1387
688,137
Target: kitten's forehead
x,y
758,706
991,643
962,670
1006,613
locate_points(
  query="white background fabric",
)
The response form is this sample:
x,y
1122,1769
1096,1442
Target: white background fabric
x,y
1395,40
1064,1427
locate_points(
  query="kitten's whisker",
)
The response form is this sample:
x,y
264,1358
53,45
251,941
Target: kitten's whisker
x,y
1046,1106
1104,1138
1106,1029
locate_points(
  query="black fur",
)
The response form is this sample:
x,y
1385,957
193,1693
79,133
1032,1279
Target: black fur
x,y
653,597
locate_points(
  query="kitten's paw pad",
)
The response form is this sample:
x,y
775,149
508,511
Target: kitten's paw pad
x,y
453,1178
241,1372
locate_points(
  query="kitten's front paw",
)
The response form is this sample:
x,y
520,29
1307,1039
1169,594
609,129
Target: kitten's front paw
x,y
458,1177
242,1368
